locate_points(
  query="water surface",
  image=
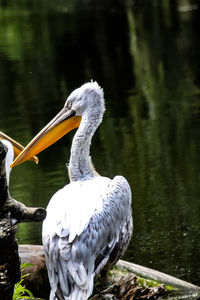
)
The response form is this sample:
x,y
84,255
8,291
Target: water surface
x,y
146,57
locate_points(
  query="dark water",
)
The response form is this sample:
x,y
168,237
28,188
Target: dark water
x,y
147,59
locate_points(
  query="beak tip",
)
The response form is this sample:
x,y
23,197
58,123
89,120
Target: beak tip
x,y
36,160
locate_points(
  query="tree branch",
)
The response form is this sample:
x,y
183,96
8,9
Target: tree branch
x,y
11,213
21,213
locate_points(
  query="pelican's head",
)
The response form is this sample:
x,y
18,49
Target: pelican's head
x,y
13,150
84,102
88,99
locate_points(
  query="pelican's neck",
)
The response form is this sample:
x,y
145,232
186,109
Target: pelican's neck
x,y
80,165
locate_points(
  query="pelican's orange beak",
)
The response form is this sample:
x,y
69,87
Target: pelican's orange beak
x,y
18,148
62,123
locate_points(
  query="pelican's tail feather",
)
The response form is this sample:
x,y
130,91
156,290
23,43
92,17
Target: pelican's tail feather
x,y
76,291
78,294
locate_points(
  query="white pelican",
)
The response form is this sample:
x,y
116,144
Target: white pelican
x,y
13,150
89,223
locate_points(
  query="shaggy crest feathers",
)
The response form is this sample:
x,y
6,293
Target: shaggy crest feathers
x,y
94,86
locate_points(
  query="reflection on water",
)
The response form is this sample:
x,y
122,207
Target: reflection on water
x,y
147,59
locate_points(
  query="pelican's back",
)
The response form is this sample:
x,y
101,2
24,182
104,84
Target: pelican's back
x,y
83,234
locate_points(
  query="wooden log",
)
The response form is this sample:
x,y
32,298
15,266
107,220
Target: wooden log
x,y
183,286
11,213
38,283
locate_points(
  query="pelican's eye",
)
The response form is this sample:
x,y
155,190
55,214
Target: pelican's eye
x,y
69,104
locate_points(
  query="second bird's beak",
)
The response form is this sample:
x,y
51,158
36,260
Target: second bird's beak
x,y
17,147
62,123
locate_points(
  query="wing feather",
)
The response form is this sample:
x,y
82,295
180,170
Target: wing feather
x,y
81,247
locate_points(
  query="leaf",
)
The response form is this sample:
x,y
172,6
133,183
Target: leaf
x,y
20,291
26,265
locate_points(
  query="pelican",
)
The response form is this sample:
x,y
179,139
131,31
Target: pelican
x,y
13,150
89,222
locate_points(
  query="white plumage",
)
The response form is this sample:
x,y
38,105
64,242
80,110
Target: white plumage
x,y
9,158
89,223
